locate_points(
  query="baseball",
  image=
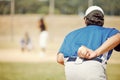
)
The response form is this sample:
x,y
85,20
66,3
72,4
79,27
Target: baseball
x,y
82,50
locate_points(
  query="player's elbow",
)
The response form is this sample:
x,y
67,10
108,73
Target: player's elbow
x,y
117,48
60,59
117,36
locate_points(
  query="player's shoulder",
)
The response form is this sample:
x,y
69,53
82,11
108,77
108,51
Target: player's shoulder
x,y
109,29
74,32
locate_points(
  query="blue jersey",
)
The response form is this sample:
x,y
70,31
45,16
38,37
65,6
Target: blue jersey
x,y
91,36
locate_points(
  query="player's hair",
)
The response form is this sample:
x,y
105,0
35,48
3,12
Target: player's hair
x,y
42,25
95,18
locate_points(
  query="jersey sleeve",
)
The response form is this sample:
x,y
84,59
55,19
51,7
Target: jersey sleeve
x,y
113,32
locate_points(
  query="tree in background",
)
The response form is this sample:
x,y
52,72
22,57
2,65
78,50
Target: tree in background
x,y
4,7
61,6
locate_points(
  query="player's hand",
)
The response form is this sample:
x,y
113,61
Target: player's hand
x,y
93,54
84,52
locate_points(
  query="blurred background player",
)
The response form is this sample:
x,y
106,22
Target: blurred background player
x,y
43,36
26,43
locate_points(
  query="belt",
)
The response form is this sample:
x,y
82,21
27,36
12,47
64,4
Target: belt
x,y
74,59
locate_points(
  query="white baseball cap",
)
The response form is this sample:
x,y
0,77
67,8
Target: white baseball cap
x,y
92,8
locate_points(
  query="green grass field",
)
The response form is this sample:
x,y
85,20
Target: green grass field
x,y
44,71
31,71
113,71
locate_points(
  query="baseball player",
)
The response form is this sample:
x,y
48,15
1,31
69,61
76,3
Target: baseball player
x,y
43,36
85,51
26,42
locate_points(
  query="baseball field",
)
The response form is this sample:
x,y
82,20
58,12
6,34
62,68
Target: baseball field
x,y
29,65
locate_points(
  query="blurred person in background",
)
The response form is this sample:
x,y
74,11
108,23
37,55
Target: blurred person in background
x,y
85,51
43,37
26,43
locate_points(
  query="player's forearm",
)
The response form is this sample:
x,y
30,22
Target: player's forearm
x,y
109,44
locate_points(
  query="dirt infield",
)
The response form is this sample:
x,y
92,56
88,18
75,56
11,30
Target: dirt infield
x,y
15,55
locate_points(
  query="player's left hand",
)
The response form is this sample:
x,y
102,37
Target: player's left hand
x,y
84,52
